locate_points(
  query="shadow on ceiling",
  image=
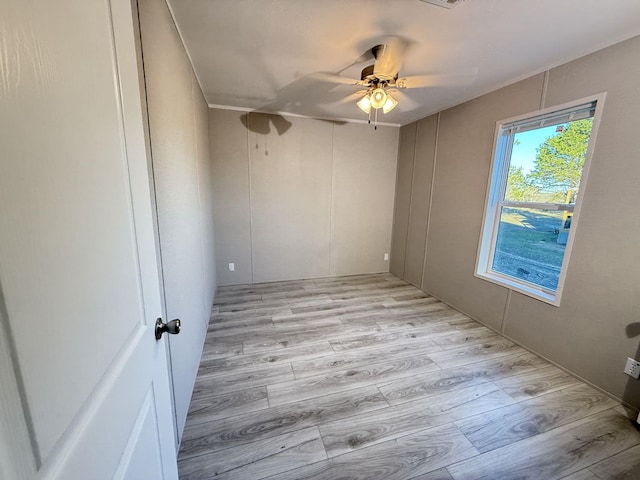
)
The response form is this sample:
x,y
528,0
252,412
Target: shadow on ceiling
x,y
300,97
633,329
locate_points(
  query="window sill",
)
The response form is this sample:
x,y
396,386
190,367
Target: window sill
x,y
525,289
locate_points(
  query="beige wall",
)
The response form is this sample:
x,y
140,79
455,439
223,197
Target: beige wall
x,y
300,198
404,176
591,333
178,121
363,185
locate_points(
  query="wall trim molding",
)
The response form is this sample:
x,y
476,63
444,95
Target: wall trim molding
x,y
288,114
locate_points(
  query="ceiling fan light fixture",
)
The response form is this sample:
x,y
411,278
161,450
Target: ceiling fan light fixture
x,y
390,104
378,98
364,103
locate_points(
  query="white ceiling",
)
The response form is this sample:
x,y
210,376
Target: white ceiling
x,y
263,54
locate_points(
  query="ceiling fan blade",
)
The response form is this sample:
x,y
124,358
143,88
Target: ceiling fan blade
x,y
353,98
389,58
433,80
405,102
368,55
333,78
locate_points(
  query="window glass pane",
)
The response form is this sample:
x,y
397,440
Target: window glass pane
x,y
536,181
546,163
530,245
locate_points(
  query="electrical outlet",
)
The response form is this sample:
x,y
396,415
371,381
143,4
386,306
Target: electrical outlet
x,y
232,267
632,368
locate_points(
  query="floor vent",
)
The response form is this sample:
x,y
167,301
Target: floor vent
x,y
444,3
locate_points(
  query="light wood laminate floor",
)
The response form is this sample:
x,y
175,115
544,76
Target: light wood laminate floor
x,y
367,377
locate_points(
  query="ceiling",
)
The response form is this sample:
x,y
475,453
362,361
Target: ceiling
x,y
266,55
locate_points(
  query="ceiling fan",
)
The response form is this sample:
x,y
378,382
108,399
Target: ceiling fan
x,y
381,79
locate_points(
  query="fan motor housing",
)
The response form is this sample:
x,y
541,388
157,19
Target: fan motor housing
x,y
367,75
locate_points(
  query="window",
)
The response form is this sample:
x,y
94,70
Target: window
x,y
537,181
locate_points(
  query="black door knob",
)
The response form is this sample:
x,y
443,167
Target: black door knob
x,y
172,327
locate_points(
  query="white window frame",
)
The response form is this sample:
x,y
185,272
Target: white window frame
x,y
494,201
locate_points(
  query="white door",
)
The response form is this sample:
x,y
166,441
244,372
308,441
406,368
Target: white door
x,y
85,392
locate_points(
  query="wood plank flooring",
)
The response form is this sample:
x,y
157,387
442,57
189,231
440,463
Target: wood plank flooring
x,y
367,377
